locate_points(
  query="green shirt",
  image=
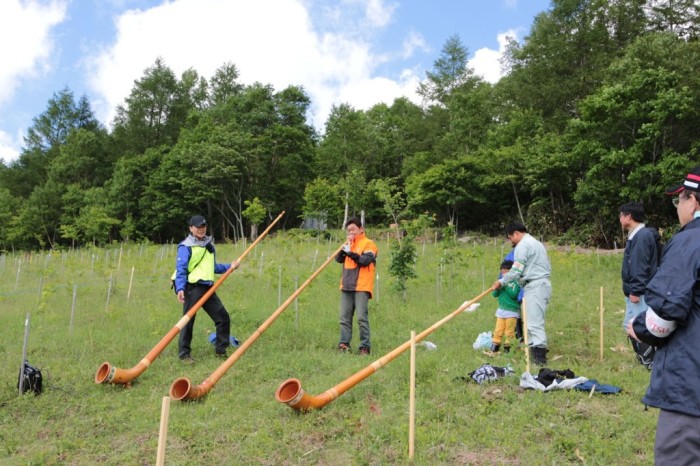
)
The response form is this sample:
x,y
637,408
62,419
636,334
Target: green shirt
x,y
508,297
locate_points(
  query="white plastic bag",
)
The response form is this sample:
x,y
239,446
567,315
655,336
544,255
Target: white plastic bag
x,y
472,307
483,341
429,345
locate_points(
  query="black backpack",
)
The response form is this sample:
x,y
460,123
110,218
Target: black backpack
x,y
29,379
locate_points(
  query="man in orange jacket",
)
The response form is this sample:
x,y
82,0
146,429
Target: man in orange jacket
x,y
358,256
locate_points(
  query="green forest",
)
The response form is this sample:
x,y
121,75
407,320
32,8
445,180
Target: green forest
x,y
600,105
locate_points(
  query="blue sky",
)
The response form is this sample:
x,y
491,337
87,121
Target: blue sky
x,y
359,52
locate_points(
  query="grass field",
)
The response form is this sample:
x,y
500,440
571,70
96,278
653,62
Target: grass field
x,y
120,319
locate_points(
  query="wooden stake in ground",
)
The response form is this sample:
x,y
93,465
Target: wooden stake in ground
x,y
412,399
19,269
527,347
601,323
24,353
41,288
437,284
131,280
376,287
313,266
163,433
279,286
109,293
72,309
296,305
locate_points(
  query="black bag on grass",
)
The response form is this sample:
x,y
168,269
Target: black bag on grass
x,y
29,379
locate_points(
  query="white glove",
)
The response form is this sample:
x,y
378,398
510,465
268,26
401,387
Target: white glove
x,y
346,248
472,307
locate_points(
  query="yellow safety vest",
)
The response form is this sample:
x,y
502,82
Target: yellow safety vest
x,y
200,266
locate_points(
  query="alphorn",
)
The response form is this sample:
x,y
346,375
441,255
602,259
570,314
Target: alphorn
x,y
108,373
291,393
182,389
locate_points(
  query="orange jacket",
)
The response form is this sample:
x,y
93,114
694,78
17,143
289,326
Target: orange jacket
x,y
358,265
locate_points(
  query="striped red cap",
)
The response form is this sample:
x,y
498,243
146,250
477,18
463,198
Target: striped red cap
x,y
691,183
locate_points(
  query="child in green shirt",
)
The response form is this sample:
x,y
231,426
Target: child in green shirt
x,y
507,314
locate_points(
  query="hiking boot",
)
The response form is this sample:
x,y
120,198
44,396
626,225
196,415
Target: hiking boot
x,y
188,360
343,348
223,355
538,355
364,351
493,351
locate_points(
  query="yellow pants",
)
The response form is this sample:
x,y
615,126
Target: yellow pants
x,y
506,326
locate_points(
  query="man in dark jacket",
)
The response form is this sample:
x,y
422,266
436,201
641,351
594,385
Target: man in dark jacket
x,y
671,322
638,266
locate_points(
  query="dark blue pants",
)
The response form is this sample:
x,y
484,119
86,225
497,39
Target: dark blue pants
x,y
216,310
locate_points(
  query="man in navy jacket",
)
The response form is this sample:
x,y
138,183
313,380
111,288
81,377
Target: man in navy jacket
x,y
638,266
671,322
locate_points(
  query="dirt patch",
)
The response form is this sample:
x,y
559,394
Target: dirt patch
x,y
484,457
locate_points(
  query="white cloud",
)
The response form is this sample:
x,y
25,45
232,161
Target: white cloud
x,y
414,41
26,43
8,146
365,93
486,62
271,42
26,53
379,14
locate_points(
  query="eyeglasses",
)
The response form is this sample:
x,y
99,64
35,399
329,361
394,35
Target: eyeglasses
x,y
677,200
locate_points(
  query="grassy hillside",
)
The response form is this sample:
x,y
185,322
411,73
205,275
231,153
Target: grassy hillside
x,y
76,421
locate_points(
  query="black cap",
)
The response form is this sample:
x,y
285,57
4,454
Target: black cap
x,y
691,183
198,221
506,264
